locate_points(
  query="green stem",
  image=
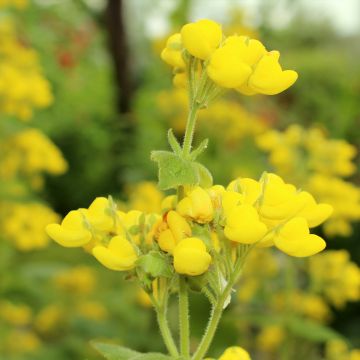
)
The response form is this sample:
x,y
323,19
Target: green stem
x,y
184,318
218,310
165,332
190,128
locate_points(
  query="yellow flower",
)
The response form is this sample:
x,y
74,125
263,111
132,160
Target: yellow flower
x,y
279,200
180,80
294,239
235,353
72,232
315,214
243,225
197,205
249,189
268,77
118,255
92,310
18,315
169,203
270,338
229,200
178,230
78,280
191,257
49,319
172,52
231,65
201,38
227,69
99,214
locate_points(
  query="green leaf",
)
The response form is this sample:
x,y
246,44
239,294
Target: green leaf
x,y
151,356
174,144
114,352
205,177
199,150
312,330
174,170
155,264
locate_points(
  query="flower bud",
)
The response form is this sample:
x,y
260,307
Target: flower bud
x,y
197,205
119,255
227,69
243,225
201,38
178,226
191,257
315,214
99,215
72,232
268,77
294,239
235,353
172,52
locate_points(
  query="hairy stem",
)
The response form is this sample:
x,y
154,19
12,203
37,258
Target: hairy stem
x,y
165,332
190,128
184,319
217,310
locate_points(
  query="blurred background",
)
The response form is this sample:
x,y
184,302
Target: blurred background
x,y
84,98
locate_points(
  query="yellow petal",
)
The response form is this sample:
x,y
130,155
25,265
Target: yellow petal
x,y
178,226
67,237
227,69
294,239
118,256
243,225
268,78
166,241
201,38
191,257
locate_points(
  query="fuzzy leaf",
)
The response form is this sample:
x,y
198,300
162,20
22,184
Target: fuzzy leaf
x,y
205,177
174,144
151,356
114,352
174,170
199,150
155,264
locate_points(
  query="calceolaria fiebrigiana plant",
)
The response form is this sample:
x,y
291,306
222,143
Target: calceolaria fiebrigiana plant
x,y
205,231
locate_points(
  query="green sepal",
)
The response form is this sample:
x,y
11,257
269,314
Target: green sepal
x,y
174,144
199,150
155,264
205,177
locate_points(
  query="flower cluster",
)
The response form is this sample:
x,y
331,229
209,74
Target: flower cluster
x,y
339,350
23,224
23,88
311,160
30,328
262,213
233,62
336,277
29,153
25,153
